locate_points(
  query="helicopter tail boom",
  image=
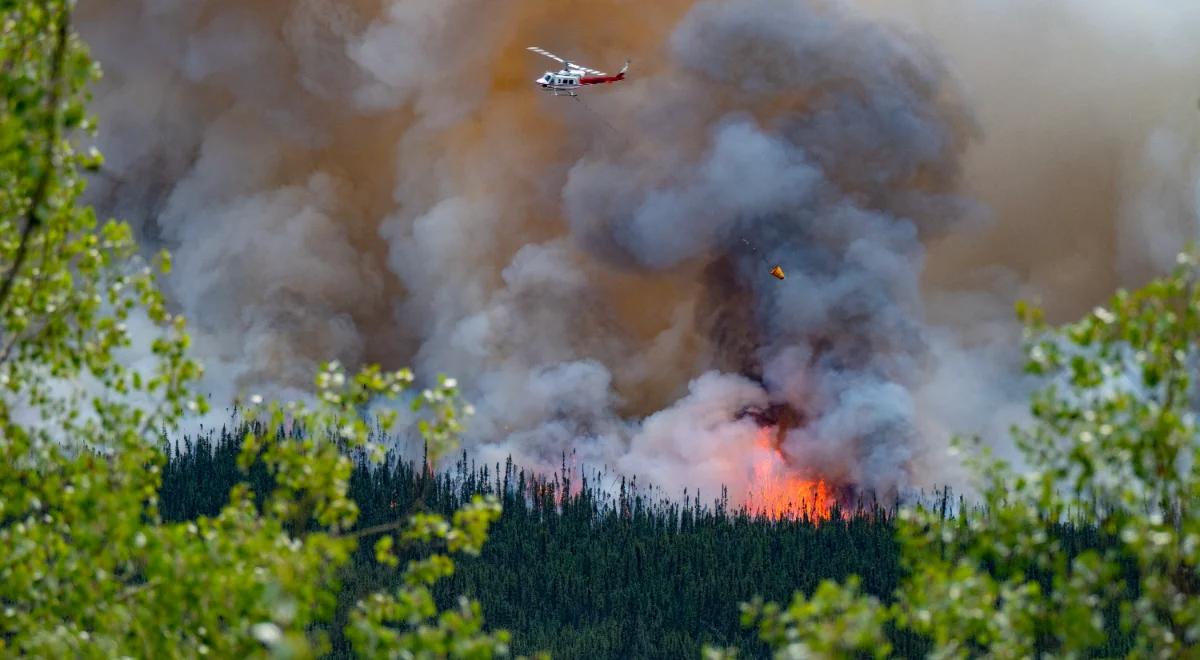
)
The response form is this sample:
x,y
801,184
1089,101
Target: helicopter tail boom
x,y
600,80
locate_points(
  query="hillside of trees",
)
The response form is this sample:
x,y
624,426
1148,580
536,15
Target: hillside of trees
x,y
581,575
591,574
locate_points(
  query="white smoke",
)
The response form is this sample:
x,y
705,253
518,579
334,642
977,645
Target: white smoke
x,y
380,182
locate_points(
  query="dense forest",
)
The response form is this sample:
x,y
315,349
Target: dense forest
x,y
580,572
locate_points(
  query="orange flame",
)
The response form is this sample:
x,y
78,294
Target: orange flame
x,y
778,493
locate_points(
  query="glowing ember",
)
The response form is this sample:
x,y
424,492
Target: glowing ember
x,y
778,493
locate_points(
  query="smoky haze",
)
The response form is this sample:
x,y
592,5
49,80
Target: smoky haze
x,y
380,181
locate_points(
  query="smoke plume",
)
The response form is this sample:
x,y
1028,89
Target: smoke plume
x,y
379,180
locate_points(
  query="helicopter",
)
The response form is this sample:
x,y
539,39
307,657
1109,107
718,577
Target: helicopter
x,y
572,77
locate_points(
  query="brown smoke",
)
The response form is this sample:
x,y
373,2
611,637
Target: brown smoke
x,y
379,180
1088,160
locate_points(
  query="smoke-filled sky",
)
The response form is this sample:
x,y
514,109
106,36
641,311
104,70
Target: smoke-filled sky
x,y
379,180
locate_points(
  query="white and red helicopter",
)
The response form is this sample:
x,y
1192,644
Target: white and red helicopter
x,y
573,77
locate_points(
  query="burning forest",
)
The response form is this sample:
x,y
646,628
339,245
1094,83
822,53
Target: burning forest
x,y
604,362
358,180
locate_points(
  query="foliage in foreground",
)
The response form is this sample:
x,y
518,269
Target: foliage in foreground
x,y
89,569
1114,443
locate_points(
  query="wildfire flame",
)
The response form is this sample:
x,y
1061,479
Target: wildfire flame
x,y
779,493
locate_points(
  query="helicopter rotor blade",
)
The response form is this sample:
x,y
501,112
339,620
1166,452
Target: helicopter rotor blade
x,y
543,51
584,69
567,64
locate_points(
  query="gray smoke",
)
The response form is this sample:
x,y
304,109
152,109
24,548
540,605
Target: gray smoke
x,y
379,181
